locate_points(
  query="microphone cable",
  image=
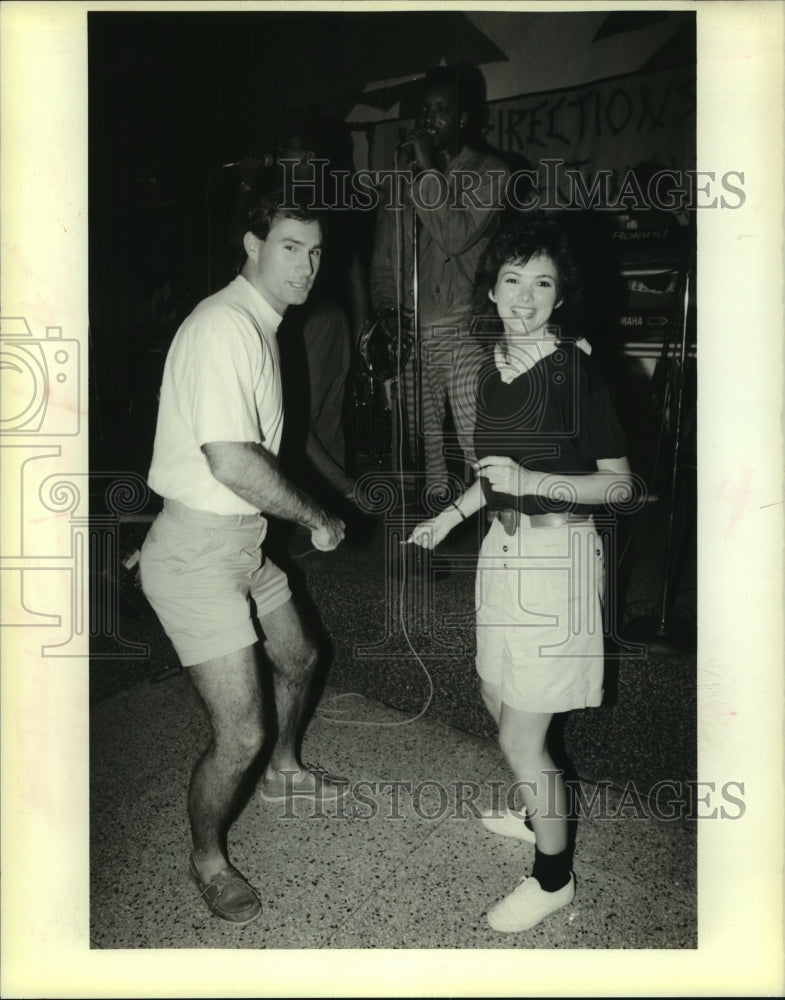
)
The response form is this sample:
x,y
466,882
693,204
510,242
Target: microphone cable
x,y
399,415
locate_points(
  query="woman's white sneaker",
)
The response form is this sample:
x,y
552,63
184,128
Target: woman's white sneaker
x,y
527,905
507,823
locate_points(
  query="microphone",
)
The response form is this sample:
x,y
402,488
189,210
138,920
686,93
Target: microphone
x,y
411,138
266,160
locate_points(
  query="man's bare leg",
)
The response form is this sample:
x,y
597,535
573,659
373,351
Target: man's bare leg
x,y
293,658
230,689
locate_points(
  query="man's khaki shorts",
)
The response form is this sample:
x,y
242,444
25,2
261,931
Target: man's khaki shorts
x,y
198,571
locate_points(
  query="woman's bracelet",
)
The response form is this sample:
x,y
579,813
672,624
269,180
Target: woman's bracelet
x,y
455,505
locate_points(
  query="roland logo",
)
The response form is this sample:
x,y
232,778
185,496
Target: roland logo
x,y
641,234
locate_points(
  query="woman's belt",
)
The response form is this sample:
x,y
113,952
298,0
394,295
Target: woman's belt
x,y
510,519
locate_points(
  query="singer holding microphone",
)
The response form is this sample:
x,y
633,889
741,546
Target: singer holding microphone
x,y
455,191
551,453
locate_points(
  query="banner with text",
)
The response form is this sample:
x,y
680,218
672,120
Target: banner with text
x,y
605,129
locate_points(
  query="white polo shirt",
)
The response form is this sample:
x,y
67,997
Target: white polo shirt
x,y
221,382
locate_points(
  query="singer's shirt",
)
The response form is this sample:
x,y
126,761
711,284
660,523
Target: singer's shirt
x,y
549,409
221,382
452,235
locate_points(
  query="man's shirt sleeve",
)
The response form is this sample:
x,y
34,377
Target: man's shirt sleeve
x,y
224,369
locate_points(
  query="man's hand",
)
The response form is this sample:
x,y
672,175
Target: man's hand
x,y
422,147
329,534
505,475
250,471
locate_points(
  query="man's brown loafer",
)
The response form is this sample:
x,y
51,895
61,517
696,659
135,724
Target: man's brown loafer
x,y
228,895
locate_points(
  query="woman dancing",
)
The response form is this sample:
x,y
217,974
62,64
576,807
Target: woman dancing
x,y
550,453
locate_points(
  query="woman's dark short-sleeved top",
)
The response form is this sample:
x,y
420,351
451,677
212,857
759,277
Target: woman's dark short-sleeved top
x,y
556,417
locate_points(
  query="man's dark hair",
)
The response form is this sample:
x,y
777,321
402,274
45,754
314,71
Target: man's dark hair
x,y
467,85
274,206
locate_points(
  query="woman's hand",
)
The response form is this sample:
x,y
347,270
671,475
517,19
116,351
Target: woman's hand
x,y
505,475
428,534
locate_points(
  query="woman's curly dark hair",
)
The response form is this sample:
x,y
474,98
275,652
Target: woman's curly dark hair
x,y
517,241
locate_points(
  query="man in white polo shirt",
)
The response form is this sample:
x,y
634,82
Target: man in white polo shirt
x,y
214,463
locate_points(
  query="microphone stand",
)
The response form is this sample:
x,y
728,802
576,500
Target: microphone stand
x,y
419,458
663,632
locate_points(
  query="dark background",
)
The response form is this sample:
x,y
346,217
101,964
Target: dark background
x,y
175,96
171,98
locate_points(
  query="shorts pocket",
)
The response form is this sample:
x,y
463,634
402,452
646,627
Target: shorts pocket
x,y
176,549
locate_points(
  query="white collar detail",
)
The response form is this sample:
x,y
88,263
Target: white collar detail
x,y
526,354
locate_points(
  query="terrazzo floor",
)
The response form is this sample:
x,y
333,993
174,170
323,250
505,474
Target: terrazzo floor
x,y
403,862
399,864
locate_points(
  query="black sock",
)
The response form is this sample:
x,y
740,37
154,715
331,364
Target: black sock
x,y
552,871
